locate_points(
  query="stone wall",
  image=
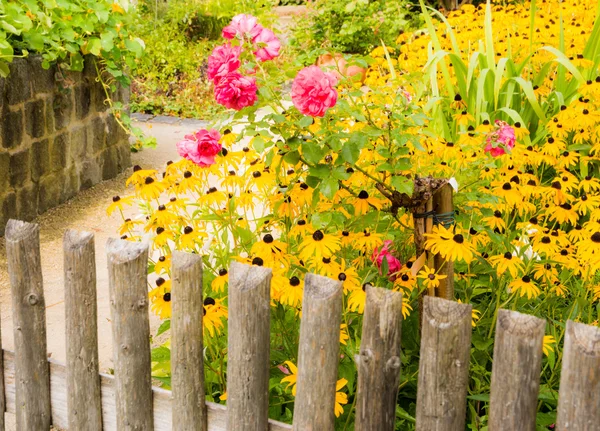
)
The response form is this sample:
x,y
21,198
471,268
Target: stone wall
x,y
56,138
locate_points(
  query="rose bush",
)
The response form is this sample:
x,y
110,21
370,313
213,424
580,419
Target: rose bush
x,y
343,192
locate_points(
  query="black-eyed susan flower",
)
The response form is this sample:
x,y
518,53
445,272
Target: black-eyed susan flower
x,y
507,262
548,343
430,278
163,265
341,398
214,313
525,286
118,203
291,292
450,245
219,282
318,245
357,299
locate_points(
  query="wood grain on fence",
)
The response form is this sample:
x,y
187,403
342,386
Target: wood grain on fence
x,y
248,347
127,278
579,395
84,399
318,354
187,351
29,322
516,371
443,365
378,362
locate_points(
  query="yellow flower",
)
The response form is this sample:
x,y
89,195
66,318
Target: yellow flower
x,y
507,262
214,313
344,334
356,301
292,378
429,277
341,398
219,282
525,286
549,340
318,245
451,246
163,265
118,203
291,292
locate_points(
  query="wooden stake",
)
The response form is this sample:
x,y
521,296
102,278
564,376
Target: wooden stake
x,y
442,203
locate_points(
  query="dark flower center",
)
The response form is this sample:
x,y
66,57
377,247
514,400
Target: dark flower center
x,y
342,276
256,174
209,301
257,261
506,186
301,222
508,255
326,260
318,235
546,240
458,238
187,174
404,277
431,276
116,198
222,272
596,237
167,297
160,281
497,214
345,233
294,281
363,195
187,230
526,279
268,238
149,180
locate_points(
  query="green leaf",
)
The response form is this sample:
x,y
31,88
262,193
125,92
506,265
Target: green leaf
x,y
312,152
350,152
305,122
94,46
160,354
329,187
165,326
292,157
76,63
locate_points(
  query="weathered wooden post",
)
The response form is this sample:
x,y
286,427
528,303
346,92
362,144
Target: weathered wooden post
x,y
127,271
443,204
516,371
187,351
248,348
444,365
32,374
318,354
379,361
579,393
81,320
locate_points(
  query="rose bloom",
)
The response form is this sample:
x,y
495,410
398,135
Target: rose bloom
x,y
394,264
242,25
313,91
501,139
268,45
201,147
236,91
223,60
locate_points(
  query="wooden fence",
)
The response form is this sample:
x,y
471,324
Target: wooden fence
x,y
75,396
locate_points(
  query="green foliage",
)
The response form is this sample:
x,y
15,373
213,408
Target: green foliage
x,y
351,26
66,30
171,78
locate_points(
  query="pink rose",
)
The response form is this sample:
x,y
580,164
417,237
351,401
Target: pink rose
x,y
501,139
393,263
236,91
242,26
313,91
223,60
268,45
201,147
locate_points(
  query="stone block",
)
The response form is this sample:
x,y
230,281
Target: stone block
x,y
124,159
40,159
96,136
83,100
63,108
4,170
79,143
35,118
71,184
42,80
12,128
27,202
110,163
98,97
89,173
18,88
50,192
113,131
59,152
19,168
8,209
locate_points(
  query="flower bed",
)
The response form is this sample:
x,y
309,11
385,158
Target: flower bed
x,y
334,176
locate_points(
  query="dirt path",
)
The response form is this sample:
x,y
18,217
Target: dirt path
x,y
87,212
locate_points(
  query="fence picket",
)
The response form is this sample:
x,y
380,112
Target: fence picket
x,y
579,394
187,354
443,365
516,371
127,270
29,321
83,381
318,354
379,361
248,348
